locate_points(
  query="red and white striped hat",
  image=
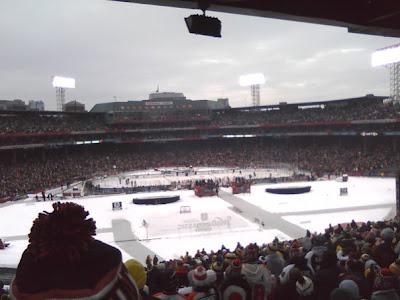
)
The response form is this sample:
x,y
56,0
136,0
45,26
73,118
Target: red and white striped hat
x,y
203,277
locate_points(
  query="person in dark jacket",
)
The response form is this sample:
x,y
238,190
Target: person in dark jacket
x,y
384,253
354,271
326,278
286,289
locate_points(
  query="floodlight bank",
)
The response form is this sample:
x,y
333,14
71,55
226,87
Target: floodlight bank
x,y
385,56
63,82
252,79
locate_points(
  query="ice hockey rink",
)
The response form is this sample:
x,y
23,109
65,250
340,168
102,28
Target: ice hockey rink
x,y
212,221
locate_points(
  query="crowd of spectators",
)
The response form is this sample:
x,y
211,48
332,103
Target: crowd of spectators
x,y
29,123
36,170
350,261
347,262
283,115
49,123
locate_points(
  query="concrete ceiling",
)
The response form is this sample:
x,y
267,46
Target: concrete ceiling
x,y
376,17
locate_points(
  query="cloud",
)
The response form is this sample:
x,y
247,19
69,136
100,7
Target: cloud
x,y
126,50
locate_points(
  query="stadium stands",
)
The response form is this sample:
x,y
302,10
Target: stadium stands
x,y
348,261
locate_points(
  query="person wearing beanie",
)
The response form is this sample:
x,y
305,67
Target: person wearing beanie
x,y
258,276
137,271
217,267
203,281
64,261
234,285
384,253
251,253
341,294
351,287
228,258
387,234
169,285
385,295
295,249
182,271
275,263
139,274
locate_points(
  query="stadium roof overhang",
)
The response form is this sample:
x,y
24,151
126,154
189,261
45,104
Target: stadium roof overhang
x,y
376,17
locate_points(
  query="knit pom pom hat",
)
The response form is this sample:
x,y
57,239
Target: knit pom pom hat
x,y
202,277
64,261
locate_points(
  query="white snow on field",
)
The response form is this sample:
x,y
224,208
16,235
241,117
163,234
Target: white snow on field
x,y
211,222
324,195
171,248
316,223
169,233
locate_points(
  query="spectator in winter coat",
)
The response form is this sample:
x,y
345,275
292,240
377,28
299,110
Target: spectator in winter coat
x,y
384,253
351,287
275,263
326,278
385,295
341,294
169,284
354,271
203,281
182,273
234,286
154,280
286,288
257,275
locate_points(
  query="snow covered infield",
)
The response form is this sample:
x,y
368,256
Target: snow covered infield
x,y
211,222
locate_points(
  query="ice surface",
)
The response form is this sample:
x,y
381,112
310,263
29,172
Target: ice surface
x,y
362,191
170,234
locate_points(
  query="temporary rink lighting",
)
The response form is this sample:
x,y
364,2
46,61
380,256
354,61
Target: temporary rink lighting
x,y
385,56
252,79
63,82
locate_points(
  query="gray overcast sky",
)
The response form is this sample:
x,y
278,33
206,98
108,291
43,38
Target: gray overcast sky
x,y
126,50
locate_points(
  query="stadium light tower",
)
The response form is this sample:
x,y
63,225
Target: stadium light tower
x,y
61,84
253,81
390,58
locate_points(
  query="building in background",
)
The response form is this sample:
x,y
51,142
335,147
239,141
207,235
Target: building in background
x,y
161,103
15,105
74,106
37,105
